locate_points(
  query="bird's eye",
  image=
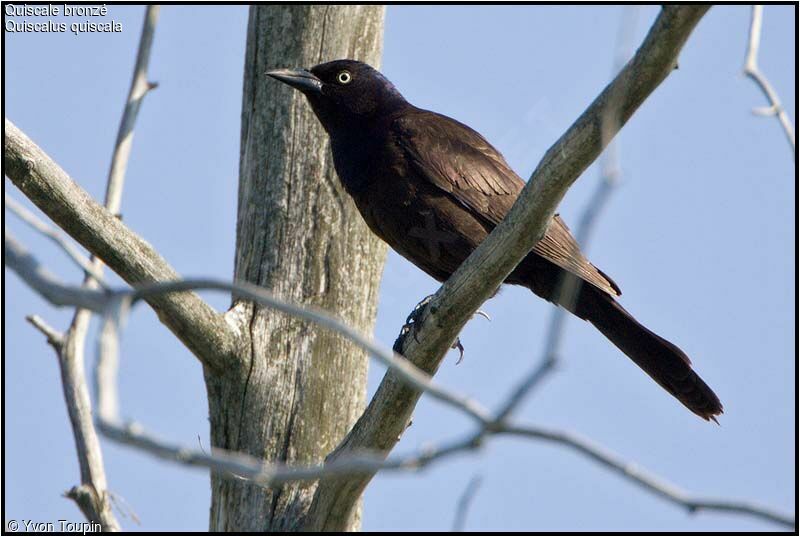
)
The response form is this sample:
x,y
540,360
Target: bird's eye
x,y
344,77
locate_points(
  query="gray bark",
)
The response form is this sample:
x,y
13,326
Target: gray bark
x,y
296,391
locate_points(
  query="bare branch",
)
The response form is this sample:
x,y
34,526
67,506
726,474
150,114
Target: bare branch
x,y
488,266
464,502
54,337
364,462
202,329
751,69
73,357
241,466
139,88
92,495
364,452
48,231
649,482
18,259
99,302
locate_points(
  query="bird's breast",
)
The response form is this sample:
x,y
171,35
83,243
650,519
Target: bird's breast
x,y
363,161
421,222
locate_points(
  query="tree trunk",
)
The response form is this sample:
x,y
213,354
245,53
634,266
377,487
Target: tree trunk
x,y
297,390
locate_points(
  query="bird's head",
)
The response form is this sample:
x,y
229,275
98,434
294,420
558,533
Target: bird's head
x,y
344,93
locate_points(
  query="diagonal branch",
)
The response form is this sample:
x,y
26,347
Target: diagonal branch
x,y
48,231
140,86
202,329
54,337
382,423
751,69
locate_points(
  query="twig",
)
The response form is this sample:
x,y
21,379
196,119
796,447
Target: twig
x,y
238,466
647,481
751,69
139,88
464,502
18,259
73,359
48,231
54,337
92,495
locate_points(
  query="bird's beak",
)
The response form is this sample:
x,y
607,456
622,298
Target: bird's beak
x,y
298,78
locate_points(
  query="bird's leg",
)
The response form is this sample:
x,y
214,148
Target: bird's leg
x,y
411,320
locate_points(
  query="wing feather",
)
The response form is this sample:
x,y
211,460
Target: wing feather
x,y
462,163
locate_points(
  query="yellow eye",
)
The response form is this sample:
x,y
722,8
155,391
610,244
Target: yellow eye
x,y
344,77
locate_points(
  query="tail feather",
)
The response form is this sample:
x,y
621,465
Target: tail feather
x,y
664,362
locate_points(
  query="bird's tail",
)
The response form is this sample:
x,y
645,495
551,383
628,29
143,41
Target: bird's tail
x,y
663,361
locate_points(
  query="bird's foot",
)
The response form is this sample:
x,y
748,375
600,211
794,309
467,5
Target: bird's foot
x,y
413,318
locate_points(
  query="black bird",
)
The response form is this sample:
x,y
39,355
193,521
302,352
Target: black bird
x,y
433,189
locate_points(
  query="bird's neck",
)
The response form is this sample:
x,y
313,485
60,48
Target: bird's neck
x,y
359,151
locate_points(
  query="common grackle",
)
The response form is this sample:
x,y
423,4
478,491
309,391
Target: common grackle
x,y
433,189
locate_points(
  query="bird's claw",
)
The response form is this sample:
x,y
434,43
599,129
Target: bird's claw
x,y
483,314
413,318
457,345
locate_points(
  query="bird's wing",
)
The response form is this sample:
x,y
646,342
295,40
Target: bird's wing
x,y
561,248
459,161
462,163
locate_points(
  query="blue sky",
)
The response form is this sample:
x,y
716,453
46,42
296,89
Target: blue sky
x,y
699,235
